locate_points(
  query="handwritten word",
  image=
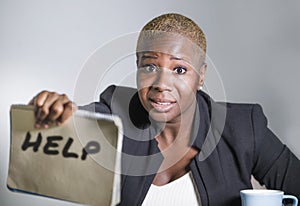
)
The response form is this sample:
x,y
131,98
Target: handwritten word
x,y
50,148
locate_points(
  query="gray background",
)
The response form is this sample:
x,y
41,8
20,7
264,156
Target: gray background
x,y
254,46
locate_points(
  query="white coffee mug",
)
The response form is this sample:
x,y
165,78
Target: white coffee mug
x,y
262,197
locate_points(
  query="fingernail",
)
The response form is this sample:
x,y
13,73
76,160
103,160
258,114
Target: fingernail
x,y
45,126
37,126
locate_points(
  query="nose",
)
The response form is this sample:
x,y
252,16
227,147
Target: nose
x,y
163,81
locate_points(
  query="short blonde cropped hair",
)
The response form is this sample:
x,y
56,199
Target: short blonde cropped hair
x,y
178,24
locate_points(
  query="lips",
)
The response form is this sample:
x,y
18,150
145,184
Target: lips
x,y
162,105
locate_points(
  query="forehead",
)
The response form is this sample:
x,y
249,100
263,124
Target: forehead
x,y
171,44
155,56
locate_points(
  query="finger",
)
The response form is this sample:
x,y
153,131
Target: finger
x,y
44,105
57,108
69,109
39,100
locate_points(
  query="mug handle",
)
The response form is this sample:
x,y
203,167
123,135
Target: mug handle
x,y
295,200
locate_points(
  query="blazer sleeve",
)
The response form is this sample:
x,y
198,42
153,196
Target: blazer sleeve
x,y
104,105
274,165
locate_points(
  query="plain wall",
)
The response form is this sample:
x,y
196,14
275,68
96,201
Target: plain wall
x,y
254,46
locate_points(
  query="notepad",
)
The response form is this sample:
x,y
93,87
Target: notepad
x,y
78,161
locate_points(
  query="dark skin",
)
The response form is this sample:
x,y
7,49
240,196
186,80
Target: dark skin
x,y
167,91
177,169
167,85
52,108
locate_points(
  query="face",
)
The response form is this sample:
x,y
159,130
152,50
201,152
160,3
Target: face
x,y
167,85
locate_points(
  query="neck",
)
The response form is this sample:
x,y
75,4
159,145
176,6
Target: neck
x,y
179,130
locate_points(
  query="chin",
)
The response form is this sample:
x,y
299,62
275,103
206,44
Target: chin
x,y
161,117
158,117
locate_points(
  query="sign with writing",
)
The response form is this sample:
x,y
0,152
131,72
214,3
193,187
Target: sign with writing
x,y
77,161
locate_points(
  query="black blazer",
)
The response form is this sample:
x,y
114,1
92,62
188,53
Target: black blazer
x,y
234,143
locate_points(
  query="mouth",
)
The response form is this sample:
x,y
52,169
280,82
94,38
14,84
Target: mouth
x,y
162,105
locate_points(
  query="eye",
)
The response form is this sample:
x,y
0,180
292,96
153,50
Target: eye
x,y
180,70
149,68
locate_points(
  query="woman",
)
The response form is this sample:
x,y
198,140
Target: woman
x,y
181,147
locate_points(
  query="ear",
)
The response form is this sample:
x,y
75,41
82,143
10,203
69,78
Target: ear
x,y
137,56
202,76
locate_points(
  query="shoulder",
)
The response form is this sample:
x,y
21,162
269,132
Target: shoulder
x,y
124,102
244,117
236,122
231,106
245,128
118,96
235,114
240,110
112,98
240,113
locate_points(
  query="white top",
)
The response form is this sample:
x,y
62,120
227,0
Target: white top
x,y
178,192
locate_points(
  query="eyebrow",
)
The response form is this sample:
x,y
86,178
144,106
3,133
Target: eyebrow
x,y
153,56
177,58
180,59
148,56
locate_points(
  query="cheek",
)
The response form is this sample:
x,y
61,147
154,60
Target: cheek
x,y
144,81
143,98
142,94
187,85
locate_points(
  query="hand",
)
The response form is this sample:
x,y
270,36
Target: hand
x,y
51,107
